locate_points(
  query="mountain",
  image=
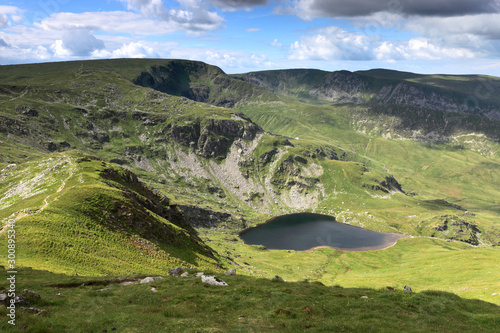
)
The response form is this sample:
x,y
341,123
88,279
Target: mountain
x,y
471,94
155,163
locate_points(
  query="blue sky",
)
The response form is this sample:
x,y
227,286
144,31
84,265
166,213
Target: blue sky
x,y
425,36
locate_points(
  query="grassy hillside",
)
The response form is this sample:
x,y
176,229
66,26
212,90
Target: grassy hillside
x,y
246,305
80,215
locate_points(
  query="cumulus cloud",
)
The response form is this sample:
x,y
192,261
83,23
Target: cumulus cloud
x,y
3,43
77,42
332,43
192,16
419,49
8,13
484,25
4,21
238,4
113,22
349,8
130,50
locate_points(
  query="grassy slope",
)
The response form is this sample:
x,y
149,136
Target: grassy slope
x,y
74,219
246,305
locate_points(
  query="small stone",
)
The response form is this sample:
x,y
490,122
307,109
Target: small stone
x,y
364,296
158,278
277,278
198,274
407,288
390,288
185,274
232,271
147,280
154,290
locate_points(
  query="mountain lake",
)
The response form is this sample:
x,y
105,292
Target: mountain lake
x,y
306,231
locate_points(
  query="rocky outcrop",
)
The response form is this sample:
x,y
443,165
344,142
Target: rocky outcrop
x,y
212,138
203,218
311,84
424,97
199,82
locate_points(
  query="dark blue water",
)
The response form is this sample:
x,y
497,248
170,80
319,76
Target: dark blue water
x,y
305,231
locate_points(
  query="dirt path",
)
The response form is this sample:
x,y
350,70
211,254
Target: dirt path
x,y
46,200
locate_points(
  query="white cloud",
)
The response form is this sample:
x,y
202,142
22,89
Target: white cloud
x,y
275,43
9,11
80,42
130,50
59,50
4,21
192,16
332,43
112,22
484,25
419,49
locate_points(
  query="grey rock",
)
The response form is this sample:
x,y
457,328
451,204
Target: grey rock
x,y
158,278
232,271
185,274
175,271
127,283
277,278
407,288
20,300
198,274
4,299
213,280
147,280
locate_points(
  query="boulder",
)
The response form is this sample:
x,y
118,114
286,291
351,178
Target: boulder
x,y
147,280
213,280
277,278
175,271
232,271
4,299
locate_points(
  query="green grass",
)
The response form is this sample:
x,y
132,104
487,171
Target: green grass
x,y
84,222
248,304
421,262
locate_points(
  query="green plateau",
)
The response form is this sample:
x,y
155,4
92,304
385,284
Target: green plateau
x,y
118,169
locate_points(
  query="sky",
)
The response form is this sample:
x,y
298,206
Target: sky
x,y
422,36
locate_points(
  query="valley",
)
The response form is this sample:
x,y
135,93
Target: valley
x,y
140,165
